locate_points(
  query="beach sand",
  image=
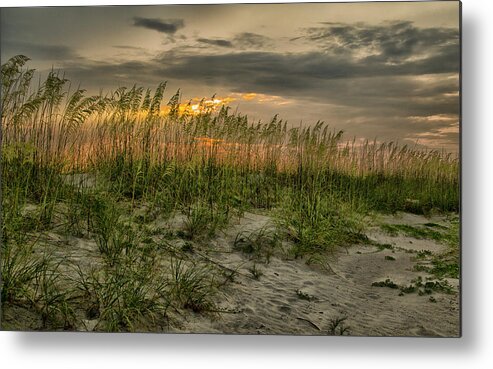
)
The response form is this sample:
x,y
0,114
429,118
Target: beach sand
x,y
342,288
327,296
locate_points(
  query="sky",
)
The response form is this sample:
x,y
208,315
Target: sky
x,y
384,71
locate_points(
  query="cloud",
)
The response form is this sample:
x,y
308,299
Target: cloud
x,y
95,75
248,40
169,26
126,47
391,42
216,42
40,52
242,41
280,72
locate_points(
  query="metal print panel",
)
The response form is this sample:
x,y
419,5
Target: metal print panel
x,y
241,169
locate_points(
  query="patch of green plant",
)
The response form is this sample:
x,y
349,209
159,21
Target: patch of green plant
x,y
260,245
387,283
444,265
421,268
20,269
440,268
427,287
256,272
203,218
113,236
452,239
317,223
36,283
408,289
121,240
192,286
445,269
128,296
52,299
74,220
423,254
384,246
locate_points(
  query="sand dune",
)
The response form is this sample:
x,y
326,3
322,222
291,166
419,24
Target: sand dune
x,y
272,304
292,296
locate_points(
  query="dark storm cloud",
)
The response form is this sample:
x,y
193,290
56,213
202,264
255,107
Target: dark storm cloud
x,y
215,42
390,41
168,26
277,72
242,41
40,52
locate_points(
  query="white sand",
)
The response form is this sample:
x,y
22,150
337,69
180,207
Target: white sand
x,y
341,286
271,304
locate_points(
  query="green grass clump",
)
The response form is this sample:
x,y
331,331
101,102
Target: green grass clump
x,y
383,246
202,218
52,299
317,223
448,235
387,283
192,286
19,271
260,245
442,265
256,272
128,297
36,283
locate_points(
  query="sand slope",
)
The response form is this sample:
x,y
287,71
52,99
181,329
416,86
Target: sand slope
x,y
272,304
292,296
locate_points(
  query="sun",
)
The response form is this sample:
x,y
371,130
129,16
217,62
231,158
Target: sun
x,y
197,106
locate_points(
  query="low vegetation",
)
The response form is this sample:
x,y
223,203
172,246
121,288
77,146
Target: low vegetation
x,y
79,170
445,264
